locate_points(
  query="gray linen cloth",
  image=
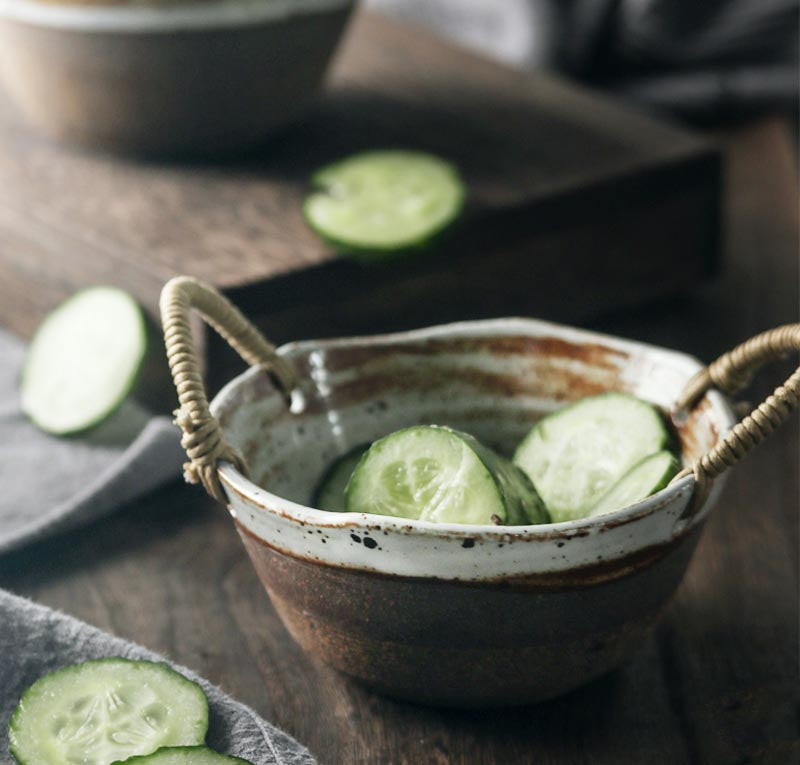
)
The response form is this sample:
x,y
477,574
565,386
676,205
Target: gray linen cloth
x,y
698,58
51,484
35,640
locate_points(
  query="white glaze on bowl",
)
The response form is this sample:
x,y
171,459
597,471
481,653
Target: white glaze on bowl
x,y
361,388
162,17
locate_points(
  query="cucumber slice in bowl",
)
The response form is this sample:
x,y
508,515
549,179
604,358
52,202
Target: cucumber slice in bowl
x,y
576,454
329,494
384,201
434,473
184,755
647,477
84,360
105,710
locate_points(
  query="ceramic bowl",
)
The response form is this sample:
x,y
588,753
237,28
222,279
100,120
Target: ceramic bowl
x,y
174,78
448,614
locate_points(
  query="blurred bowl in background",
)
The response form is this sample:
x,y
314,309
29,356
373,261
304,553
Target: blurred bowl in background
x,y
167,78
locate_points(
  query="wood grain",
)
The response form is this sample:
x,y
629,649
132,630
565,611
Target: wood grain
x,y
550,169
717,683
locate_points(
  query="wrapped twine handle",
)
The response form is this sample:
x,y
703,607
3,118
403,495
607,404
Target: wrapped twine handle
x,y
731,373
202,436
204,443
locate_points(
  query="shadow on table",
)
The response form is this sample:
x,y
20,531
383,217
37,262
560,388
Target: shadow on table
x,y
545,720
122,534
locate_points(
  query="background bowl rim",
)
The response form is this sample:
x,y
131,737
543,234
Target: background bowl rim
x,y
304,514
189,15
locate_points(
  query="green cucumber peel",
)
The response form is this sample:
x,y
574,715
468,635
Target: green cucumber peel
x,y
574,455
89,355
644,479
329,494
378,204
104,710
434,473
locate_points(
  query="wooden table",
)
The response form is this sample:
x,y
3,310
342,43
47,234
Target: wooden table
x,y
560,181
718,681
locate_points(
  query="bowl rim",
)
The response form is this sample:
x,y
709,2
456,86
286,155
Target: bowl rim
x,y
189,15
304,514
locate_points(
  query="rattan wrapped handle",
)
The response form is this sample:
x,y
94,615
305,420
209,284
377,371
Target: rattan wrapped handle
x,y
731,373
202,436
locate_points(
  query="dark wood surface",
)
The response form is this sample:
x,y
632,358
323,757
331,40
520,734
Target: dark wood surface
x,y
563,184
718,681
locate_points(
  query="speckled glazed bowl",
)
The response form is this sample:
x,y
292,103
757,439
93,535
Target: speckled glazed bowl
x,y
449,614
166,77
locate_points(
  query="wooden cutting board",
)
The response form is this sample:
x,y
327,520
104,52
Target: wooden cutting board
x,y
576,204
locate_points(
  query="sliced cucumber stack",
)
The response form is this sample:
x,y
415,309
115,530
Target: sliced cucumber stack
x,y
84,360
646,477
384,201
330,491
184,755
575,455
106,710
596,456
434,473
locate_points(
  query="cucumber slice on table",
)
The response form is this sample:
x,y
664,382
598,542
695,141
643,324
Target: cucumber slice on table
x,y
106,710
576,454
643,479
330,491
384,201
83,360
433,473
184,755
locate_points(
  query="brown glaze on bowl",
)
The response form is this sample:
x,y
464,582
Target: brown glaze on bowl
x,y
467,644
450,614
167,78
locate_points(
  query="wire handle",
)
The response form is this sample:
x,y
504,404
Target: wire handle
x,y
731,373
202,436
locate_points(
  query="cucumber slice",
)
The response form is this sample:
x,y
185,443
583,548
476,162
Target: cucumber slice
x,y
384,201
330,491
184,755
433,473
576,454
83,360
643,479
106,710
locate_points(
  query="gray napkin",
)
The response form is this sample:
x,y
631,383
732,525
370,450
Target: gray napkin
x,y
51,484
35,640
